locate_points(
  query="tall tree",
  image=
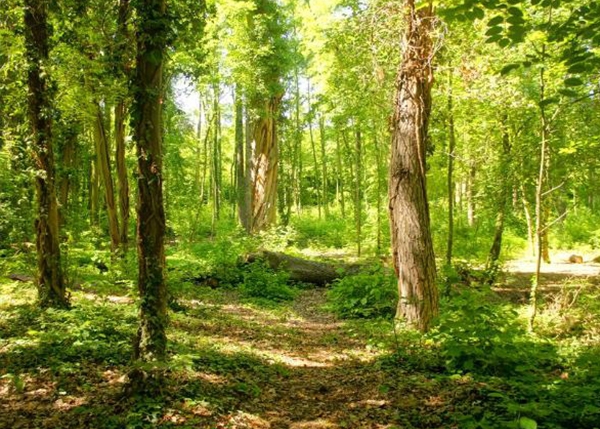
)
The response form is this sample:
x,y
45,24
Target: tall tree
x,y
152,34
50,281
412,248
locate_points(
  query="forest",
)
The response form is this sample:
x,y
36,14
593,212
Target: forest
x,y
303,214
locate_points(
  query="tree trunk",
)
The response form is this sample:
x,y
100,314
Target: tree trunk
x,y
263,172
340,177
471,194
50,281
67,161
151,340
324,179
240,172
505,188
123,182
412,248
539,201
358,190
102,154
450,177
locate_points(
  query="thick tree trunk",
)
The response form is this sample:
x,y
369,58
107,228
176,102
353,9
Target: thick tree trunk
x,y
412,248
102,154
50,281
151,340
263,172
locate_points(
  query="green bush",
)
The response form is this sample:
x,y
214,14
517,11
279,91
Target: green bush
x,y
477,335
371,294
259,281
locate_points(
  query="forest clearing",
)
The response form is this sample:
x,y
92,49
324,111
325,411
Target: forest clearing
x,y
317,214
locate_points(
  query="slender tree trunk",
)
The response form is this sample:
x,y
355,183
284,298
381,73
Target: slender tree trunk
x,y
539,201
324,178
471,193
358,190
216,161
94,190
68,161
124,39
314,151
412,248
339,175
49,280
297,179
102,154
450,177
151,340
240,171
505,188
378,188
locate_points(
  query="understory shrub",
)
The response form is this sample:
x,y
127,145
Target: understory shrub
x,y
259,281
371,294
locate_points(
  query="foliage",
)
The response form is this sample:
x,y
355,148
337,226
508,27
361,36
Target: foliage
x,y
371,294
259,281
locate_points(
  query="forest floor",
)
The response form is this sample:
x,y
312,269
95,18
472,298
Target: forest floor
x,y
234,364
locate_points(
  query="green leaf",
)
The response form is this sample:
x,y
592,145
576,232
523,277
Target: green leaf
x,y
577,68
493,30
508,68
548,101
504,43
573,81
515,11
527,423
493,38
478,13
534,2
498,19
568,92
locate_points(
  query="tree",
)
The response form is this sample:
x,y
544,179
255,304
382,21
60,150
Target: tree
x,y
412,248
50,281
152,33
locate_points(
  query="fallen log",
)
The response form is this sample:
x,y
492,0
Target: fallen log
x,y
302,270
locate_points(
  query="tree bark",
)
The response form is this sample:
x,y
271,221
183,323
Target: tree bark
x,y
263,172
102,154
240,171
325,180
450,177
50,281
412,248
151,339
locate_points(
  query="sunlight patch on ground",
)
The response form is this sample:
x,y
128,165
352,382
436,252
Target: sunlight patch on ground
x,y
314,424
243,420
68,402
587,269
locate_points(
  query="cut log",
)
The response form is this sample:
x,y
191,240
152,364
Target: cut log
x,y
21,278
302,270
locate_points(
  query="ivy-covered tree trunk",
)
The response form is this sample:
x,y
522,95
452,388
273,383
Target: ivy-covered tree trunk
x,y
50,281
152,32
263,172
412,248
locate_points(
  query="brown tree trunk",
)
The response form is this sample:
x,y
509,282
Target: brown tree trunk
x,y
471,194
50,281
67,162
450,177
263,172
358,194
151,340
102,154
412,248
240,170
123,182
324,181
506,187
